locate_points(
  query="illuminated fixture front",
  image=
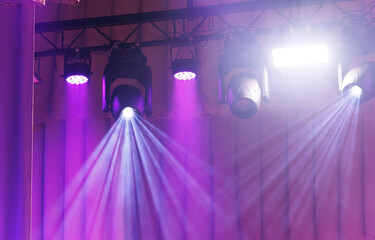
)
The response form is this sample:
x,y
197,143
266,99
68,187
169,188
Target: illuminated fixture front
x,y
184,69
128,113
359,82
300,55
77,67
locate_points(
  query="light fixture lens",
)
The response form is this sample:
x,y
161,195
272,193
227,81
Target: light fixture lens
x,y
355,91
302,55
185,76
77,79
128,113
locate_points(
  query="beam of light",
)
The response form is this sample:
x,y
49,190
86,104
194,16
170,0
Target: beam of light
x,y
163,170
160,158
166,148
332,121
323,117
77,79
123,178
325,124
99,182
126,178
302,55
93,167
152,161
201,197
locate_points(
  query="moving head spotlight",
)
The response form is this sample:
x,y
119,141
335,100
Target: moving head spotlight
x,y
127,82
243,76
359,82
356,70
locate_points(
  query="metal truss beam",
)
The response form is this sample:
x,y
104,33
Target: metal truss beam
x,y
177,14
179,41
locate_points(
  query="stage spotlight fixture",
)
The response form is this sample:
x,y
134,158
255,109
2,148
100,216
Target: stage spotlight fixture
x,y
356,69
77,67
184,69
244,95
359,82
300,55
243,76
127,83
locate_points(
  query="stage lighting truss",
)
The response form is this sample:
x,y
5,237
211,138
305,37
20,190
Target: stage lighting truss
x,y
181,20
243,76
356,70
127,82
77,67
253,74
184,68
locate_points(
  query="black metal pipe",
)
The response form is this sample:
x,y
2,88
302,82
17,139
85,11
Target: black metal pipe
x,y
169,15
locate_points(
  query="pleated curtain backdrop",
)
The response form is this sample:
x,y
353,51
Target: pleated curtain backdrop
x,y
263,178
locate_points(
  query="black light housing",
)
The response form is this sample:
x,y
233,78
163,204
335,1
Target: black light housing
x,y
184,68
127,82
243,76
77,67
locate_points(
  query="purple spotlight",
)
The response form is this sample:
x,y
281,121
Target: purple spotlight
x,y
186,75
184,69
77,79
77,67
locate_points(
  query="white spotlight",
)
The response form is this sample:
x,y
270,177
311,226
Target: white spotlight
x,y
128,113
355,91
360,82
302,55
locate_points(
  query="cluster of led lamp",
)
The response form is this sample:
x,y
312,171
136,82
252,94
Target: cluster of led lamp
x,y
77,67
184,69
